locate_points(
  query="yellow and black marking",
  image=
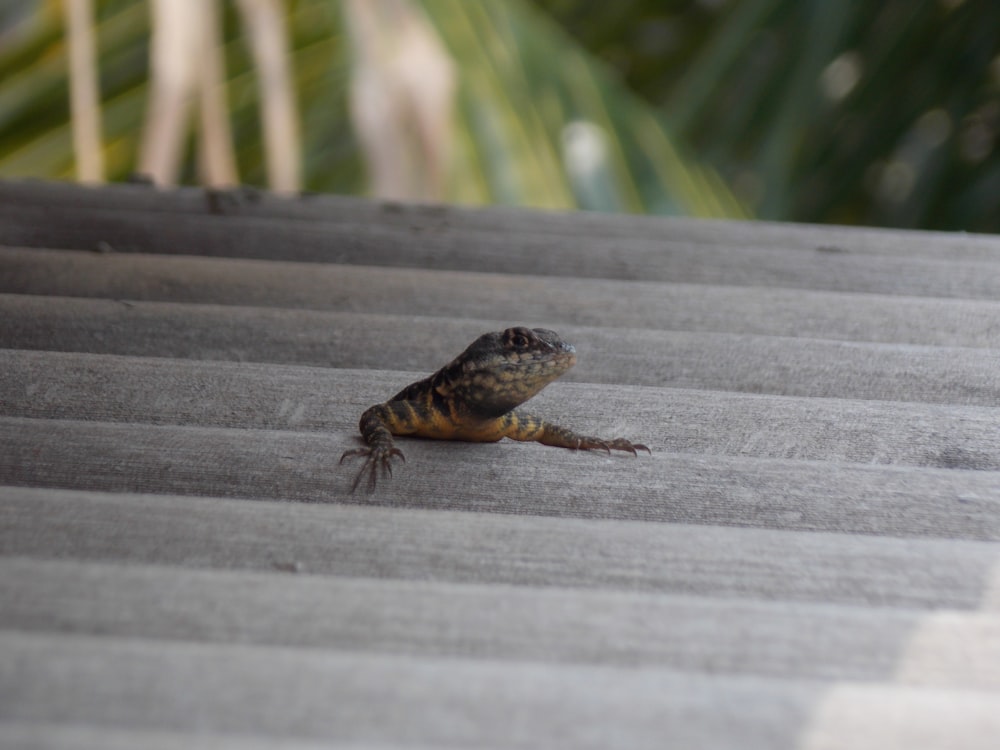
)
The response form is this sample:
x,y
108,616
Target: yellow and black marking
x,y
474,398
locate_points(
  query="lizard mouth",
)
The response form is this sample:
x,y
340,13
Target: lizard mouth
x,y
561,358
547,366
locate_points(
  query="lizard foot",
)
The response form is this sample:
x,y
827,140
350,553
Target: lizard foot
x,y
376,457
618,444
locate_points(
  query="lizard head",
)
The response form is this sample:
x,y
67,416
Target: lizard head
x,y
501,370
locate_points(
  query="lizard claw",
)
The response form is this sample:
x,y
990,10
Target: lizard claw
x,y
355,452
621,444
376,457
618,444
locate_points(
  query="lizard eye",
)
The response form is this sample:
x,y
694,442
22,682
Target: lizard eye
x,y
517,338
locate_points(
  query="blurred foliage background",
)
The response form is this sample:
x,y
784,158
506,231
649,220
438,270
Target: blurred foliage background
x,y
880,113
838,111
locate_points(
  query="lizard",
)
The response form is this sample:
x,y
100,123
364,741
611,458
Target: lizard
x,y
475,398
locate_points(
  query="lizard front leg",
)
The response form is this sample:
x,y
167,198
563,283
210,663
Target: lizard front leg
x,y
378,424
522,426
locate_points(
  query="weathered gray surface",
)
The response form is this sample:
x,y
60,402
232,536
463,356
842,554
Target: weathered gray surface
x,y
54,199
666,488
370,541
59,385
637,356
809,558
565,300
342,695
819,266
556,625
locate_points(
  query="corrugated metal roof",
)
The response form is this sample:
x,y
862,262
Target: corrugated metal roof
x,y
809,558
